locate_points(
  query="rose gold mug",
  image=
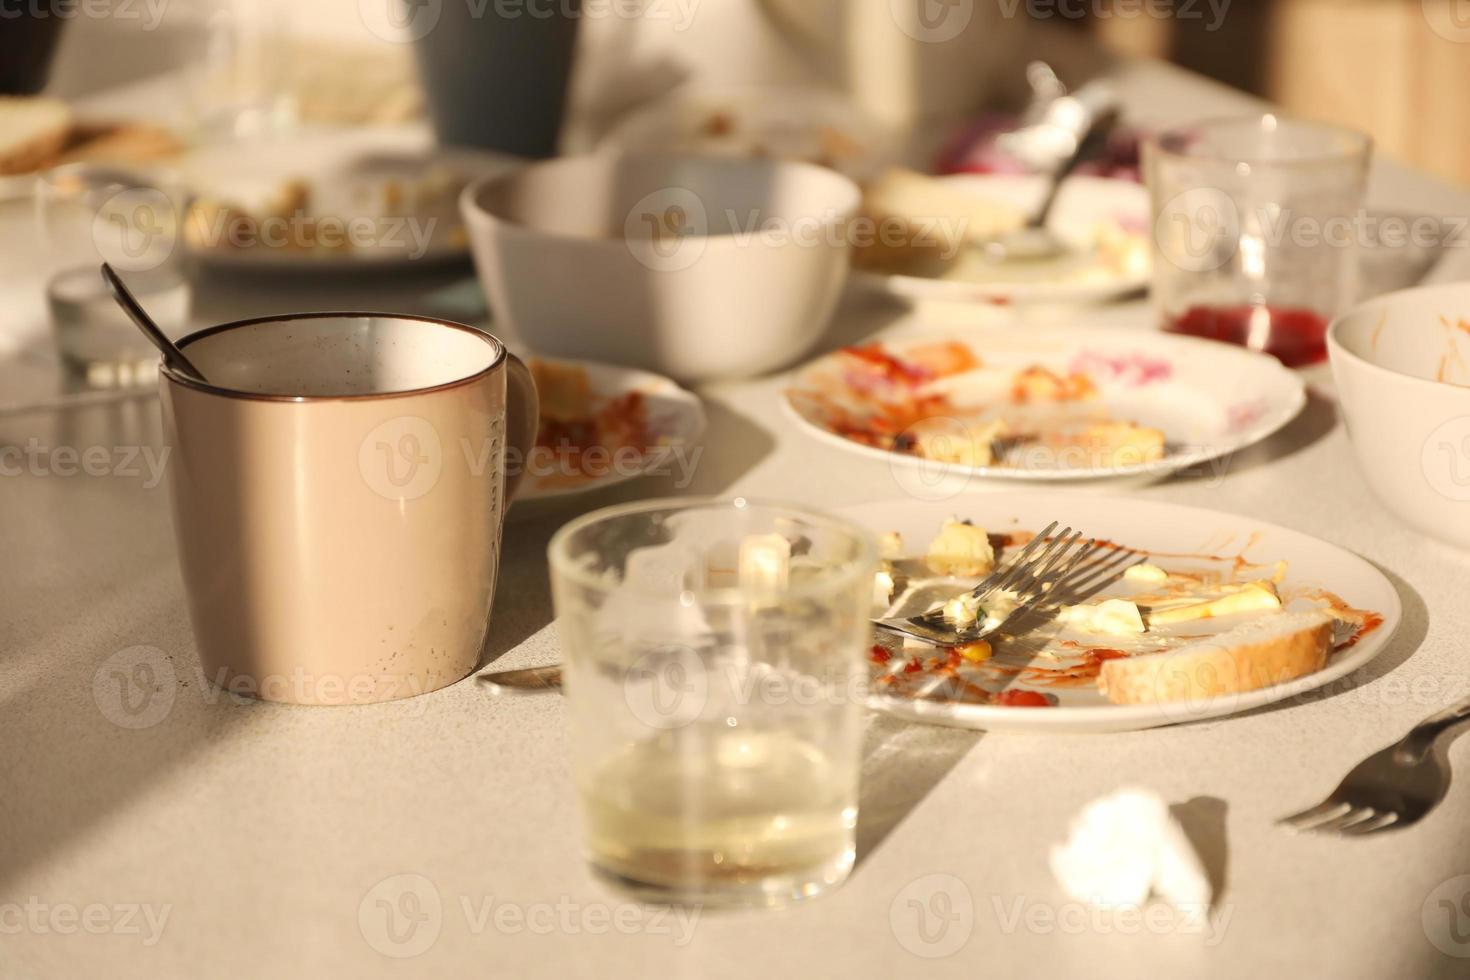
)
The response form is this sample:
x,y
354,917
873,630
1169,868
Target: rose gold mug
x,y
338,491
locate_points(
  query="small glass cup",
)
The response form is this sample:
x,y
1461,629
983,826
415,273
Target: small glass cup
x,y
715,682
87,214
1256,230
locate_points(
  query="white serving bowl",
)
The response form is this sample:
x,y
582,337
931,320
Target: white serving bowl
x,y
1402,364
694,267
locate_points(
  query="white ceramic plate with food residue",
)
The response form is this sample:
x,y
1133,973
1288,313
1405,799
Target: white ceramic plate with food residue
x,y
602,425
1186,541
1104,219
1206,399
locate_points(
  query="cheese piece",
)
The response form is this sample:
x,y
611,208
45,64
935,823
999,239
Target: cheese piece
x,y
1145,573
1249,597
960,549
1117,616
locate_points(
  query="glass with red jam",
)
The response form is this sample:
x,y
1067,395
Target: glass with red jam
x,y
1257,222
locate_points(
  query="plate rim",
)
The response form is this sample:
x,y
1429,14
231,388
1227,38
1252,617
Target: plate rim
x,y
1117,718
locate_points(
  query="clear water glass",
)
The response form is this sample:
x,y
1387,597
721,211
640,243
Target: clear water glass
x,y
1258,222
87,214
715,682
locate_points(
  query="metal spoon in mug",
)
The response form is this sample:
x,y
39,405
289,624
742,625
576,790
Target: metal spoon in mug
x,y
172,356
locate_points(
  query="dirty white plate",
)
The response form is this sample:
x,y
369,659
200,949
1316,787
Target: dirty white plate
x,y
1173,536
1209,399
1083,204
676,421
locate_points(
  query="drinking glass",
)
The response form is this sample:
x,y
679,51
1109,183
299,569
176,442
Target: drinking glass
x,y
87,214
1257,222
715,681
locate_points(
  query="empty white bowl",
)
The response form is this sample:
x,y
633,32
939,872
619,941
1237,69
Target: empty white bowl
x,y
1402,364
694,267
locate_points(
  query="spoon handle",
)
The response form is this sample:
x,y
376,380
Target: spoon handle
x,y
172,356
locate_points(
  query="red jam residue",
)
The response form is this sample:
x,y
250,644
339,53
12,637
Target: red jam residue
x,y
1022,699
1295,335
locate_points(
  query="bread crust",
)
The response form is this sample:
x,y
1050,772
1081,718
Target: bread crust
x,y
1216,668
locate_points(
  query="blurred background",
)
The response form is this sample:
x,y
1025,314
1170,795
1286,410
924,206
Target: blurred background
x,y
1392,67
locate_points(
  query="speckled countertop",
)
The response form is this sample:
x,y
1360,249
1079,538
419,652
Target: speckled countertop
x,y
194,836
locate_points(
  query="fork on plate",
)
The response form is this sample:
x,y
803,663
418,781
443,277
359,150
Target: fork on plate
x,y
1048,571
1393,788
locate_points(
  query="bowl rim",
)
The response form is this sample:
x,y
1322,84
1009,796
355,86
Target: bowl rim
x,y
476,213
1339,351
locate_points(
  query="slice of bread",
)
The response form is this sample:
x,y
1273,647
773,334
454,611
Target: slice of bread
x,y
33,131
1253,655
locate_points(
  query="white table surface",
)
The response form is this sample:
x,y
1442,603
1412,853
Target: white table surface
x,y
261,830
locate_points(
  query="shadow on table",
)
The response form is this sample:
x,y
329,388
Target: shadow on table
x,y
902,763
1203,820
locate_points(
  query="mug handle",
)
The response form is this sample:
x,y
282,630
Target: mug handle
x,y
522,418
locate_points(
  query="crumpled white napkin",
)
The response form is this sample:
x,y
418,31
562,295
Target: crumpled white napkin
x,y
1125,847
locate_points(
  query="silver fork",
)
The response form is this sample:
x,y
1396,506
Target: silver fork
x,y
1390,789
1035,576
